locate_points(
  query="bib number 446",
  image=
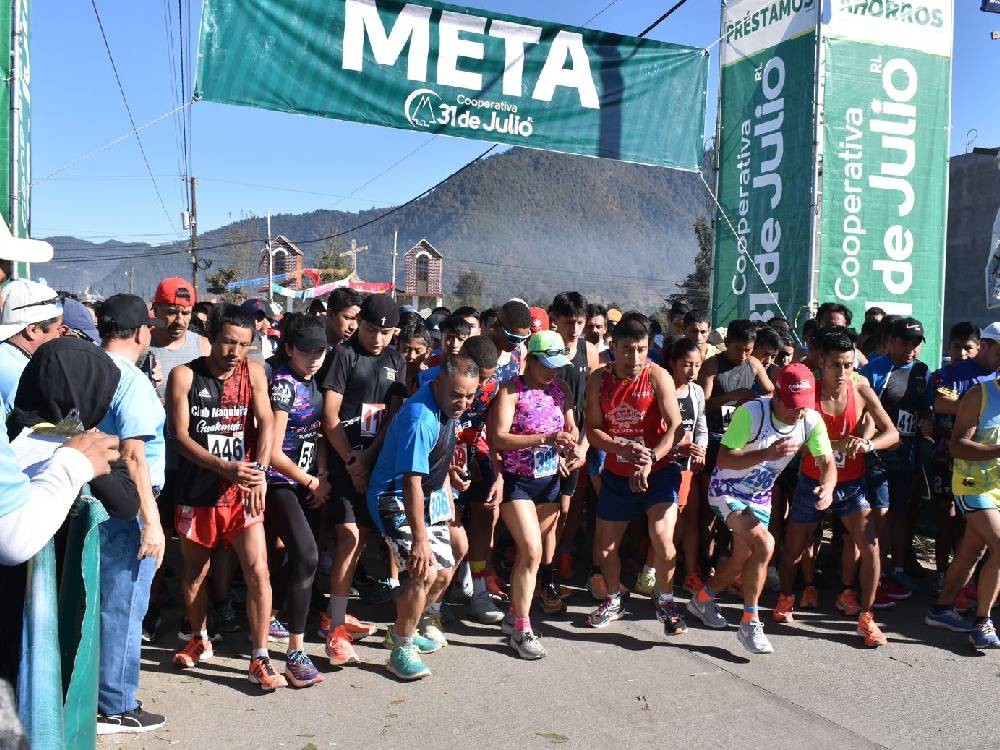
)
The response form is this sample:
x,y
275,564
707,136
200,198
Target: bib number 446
x,y
227,447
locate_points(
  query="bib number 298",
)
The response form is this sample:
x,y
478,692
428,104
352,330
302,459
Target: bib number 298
x,y
227,447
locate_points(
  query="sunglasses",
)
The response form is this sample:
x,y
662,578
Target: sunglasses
x,y
57,301
513,338
549,353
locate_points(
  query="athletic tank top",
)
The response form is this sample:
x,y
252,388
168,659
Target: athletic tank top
x,y
302,400
630,411
838,426
575,375
510,369
222,421
688,419
729,378
537,412
169,358
982,477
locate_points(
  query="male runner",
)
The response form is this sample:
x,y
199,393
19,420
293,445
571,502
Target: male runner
x,y
761,440
634,416
342,309
31,316
842,401
697,327
411,502
363,388
596,327
174,343
221,420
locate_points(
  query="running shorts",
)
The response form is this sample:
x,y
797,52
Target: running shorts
x,y
213,525
848,498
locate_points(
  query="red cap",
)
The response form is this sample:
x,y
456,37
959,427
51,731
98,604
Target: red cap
x,y
175,291
539,319
796,387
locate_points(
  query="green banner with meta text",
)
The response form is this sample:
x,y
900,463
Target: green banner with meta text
x,y
438,68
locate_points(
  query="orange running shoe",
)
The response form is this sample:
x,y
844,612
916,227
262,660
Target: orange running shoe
x,y
262,673
784,609
809,598
358,629
869,630
693,584
564,566
195,651
597,587
847,603
339,650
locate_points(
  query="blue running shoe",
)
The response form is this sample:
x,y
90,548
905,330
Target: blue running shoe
x,y
949,619
300,671
277,632
405,663
984,636
422,644
905,581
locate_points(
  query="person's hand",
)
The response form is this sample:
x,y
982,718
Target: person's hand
x,y
561,440
156,375
495,495
421,559
319,494
243,474
639,481
357,469
634,452
824,495
852,445
780,449
100,449
253,501
152,542
683,448
460,481
563,469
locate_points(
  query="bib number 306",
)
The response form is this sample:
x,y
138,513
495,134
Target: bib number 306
x,y
227,447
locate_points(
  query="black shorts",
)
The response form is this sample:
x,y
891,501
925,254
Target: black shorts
x,y
483,477
165,501
540,490
567,485
347,505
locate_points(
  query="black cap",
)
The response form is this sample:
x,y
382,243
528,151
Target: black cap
x,y
307,338
254,306
907,328
124,312
380,310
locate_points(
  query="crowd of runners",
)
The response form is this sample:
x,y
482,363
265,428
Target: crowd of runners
x,y
506,459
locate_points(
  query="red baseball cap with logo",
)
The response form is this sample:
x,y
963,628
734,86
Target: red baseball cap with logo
x,y
539,320
175,291
796,387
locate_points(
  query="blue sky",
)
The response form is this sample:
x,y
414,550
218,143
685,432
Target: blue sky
x,y
252,161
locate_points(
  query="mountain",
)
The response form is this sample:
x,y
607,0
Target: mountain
x,y
531,223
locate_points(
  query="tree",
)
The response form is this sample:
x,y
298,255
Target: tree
x,y
695,287
219,281
469,289
332,263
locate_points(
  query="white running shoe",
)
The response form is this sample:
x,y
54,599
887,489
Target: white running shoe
x,y
484,609
751,636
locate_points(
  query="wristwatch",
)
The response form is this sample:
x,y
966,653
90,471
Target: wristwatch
x,y
259,466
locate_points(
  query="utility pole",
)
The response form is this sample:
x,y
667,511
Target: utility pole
x,y
131,279
395,242
194,234
270,261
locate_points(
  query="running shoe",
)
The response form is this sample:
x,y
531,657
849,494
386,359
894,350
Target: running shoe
x,y
609,611
352,625
431,627
262,673
496,587
784,610
527,645
564,566
135,721
670,616
751,637
151,626
870,631
847,603
277,632
900,577
693,584
984,636
423,645
708,612
196,650
507,624
882,600
339,650
376,593
552,603
894,590
963,603
462,589
405,663
645,583
225,618
597,587
483,609
809,598
773,580
300,671
184,631
948,619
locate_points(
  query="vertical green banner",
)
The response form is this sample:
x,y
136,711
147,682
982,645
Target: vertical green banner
x,y
885,159
6,63
762,261
21,121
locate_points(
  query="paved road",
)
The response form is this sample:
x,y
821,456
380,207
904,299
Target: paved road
x,y
626,686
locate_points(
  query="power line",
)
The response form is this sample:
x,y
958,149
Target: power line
x,y
601,12
131,119
662,18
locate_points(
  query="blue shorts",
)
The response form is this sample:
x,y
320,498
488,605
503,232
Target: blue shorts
x,y
540,490
972,503
889,487
848,498
618,503
595,462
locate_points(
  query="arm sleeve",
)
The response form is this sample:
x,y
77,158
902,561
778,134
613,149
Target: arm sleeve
x,y
339,372
738,433
50,494
700,425
818,442
117,492
413,454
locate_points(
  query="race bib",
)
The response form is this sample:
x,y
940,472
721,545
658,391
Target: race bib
x,y
906,423
760,479
438,507
307,455
840,459
227,447
371,419
546,461
727,414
